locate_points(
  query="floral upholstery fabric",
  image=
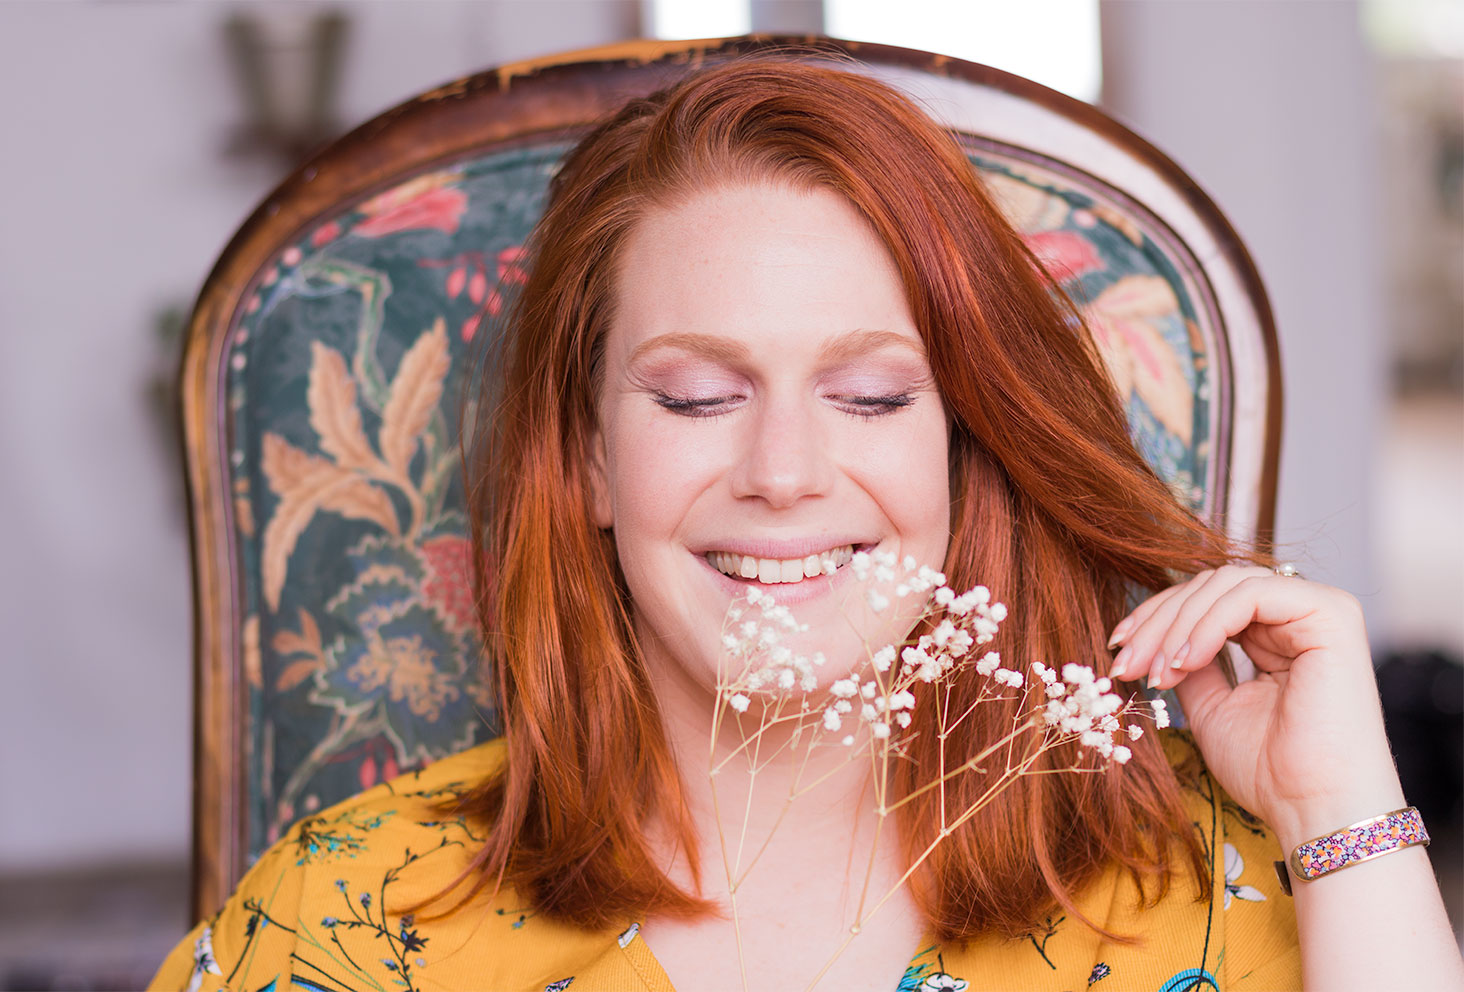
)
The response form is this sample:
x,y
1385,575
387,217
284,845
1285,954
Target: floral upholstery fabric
x,y
358,634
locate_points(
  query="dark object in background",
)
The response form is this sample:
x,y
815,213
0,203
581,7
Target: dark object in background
x,y
1423,707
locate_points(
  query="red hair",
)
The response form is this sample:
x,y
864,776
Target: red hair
x,y
1052,507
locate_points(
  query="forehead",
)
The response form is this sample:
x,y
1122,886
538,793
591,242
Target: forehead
x,y
767,265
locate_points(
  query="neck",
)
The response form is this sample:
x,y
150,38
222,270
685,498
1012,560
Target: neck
x,y
768,811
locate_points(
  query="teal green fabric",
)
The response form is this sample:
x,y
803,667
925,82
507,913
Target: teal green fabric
x,y
359,635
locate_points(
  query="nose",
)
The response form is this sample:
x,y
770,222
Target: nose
x,y
784,455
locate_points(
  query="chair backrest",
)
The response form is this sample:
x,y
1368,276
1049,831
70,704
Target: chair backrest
x,y
335,635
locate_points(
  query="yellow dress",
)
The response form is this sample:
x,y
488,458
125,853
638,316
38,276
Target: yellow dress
x,y
322,910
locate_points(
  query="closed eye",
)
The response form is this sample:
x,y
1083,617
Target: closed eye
x,y
873,406
693,407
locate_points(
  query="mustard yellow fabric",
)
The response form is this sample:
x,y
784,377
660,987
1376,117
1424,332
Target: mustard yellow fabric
x,y
322,910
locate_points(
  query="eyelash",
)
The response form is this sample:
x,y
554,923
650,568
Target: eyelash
x,y
863,407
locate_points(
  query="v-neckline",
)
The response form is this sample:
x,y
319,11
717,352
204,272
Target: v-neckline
x,y
655,979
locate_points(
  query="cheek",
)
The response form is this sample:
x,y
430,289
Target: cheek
x,y
655,475
910,477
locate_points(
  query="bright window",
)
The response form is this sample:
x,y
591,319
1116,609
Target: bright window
x,y
1054,42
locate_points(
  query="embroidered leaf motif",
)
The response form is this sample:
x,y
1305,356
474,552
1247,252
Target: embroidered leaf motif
x,y
333,412
307,642
322,485
1122,319
414,396
360,500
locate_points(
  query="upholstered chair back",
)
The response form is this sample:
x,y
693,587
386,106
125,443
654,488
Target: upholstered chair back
x,y
336,634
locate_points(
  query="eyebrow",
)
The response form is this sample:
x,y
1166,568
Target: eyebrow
x,y
842,348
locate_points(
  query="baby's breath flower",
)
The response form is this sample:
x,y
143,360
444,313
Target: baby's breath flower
x,y
903,719
944,596
959,644
883,658
1161,713
989,663
848,741
831,720
1135,731
943,633
1122,754
844,688
869,689
878,601
880,730
739,702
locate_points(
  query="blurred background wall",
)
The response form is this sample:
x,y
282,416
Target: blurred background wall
x,y
1330,131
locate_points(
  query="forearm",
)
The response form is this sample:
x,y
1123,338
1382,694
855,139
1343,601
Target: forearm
x,y
1373,926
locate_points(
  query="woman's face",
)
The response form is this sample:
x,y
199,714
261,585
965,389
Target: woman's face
x,y
766,406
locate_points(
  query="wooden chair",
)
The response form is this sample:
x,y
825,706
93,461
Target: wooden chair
x,y
334,633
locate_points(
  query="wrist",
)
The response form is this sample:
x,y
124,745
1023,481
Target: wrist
x,y
1307,818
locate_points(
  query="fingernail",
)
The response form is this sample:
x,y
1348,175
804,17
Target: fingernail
x,y
1180,655
1120,632
1157,670
1121,662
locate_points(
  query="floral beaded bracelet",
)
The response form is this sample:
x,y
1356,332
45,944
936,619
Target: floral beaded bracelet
x,y
1362,841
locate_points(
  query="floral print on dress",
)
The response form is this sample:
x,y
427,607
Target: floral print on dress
x,y
926,973
1234,865
203,960
331,906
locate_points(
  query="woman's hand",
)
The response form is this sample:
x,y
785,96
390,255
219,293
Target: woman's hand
x,y
1301,745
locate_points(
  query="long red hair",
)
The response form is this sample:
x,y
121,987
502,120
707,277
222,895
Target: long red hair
x,y
1052,507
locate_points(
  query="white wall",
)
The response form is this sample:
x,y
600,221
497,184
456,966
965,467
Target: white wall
x,y
116,200
1269,107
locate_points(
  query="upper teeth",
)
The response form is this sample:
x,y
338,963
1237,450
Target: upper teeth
x,y
771,570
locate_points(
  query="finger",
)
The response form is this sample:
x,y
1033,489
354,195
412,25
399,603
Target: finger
x,y
1256,599
1152,619
1125,627
1176,650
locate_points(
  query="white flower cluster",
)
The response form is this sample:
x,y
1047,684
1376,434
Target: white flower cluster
x,y
754,642
1086,708
971,619
876,710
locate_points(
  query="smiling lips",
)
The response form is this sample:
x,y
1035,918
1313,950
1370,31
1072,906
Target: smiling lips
x,y
777,570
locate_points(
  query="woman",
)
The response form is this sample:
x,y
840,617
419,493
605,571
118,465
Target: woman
x,y
773,322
